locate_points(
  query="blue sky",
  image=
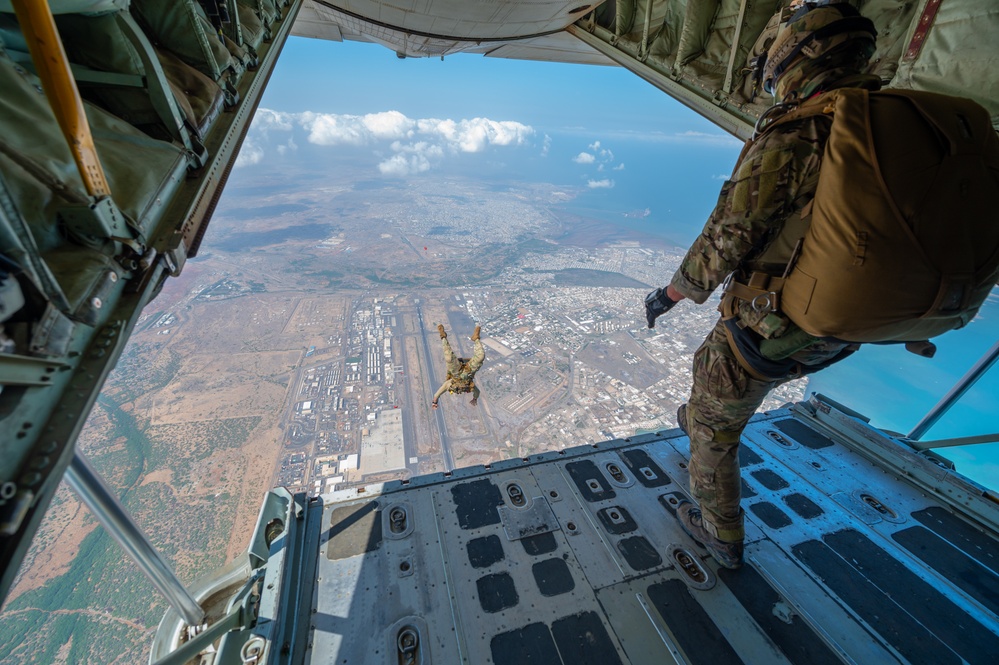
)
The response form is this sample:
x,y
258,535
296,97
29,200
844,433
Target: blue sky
x,y
646,150
358,78
624,144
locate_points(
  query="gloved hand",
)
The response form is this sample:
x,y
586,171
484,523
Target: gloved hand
x,y
657,303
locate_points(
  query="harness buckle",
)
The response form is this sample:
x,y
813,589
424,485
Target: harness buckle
x,y
763,302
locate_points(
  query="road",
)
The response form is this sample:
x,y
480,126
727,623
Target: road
x,y
403,398
461,320
434,385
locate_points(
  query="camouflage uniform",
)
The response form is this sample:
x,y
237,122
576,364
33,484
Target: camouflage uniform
x,y
773,183
461,371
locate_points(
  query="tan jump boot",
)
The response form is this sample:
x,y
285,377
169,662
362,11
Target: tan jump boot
x,y
440,329
727,554
475,334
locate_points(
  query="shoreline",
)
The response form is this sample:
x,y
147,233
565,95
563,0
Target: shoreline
x,y
581,231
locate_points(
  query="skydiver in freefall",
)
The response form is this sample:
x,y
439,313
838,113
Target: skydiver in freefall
x,y
460,371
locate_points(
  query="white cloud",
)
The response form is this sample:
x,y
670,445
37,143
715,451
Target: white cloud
x,y
597,155
600,184
720,176
411,158
419,143
476,134
473,135
329,129
702,137
547,146
290,146
388,125
401,165
696,135
266,120
421,148
619,167
249,154
707,138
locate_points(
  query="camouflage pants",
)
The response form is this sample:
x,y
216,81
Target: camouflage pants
x,y
723,399
453,362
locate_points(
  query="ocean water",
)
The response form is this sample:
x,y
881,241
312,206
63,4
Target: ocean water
x,y
665,186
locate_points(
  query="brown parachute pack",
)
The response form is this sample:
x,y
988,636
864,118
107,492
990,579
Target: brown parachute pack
x,y
903,243
458,384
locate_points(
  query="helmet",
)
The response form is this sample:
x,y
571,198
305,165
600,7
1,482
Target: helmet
x,y
817,32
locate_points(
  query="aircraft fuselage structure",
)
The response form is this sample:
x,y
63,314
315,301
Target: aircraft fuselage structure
x,y
863,546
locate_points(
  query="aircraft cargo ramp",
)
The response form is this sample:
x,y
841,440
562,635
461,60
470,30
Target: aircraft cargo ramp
x,y
859,550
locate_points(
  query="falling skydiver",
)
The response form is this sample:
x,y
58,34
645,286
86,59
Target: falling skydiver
x,y
460,371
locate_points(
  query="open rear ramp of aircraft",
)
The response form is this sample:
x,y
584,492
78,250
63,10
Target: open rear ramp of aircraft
x,y
858,550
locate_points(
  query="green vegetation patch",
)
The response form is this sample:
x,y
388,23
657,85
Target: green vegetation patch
x,y
179,447
103,607
142,368
121,460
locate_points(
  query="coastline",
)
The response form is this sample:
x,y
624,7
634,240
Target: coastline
x,y
585,231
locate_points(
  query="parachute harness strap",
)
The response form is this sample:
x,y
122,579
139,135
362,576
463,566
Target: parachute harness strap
x,y
771,115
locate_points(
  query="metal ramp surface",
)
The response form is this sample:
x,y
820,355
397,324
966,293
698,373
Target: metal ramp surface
x,y
854,554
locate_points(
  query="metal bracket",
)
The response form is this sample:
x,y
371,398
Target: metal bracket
x,y
52,334
14,510
95,223
27,371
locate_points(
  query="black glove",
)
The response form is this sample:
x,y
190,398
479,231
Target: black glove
x,y
657,303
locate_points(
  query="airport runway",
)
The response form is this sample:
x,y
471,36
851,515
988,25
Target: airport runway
x,y
434,385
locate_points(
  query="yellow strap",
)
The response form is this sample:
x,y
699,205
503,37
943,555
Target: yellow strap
x,y
727,307
763,291
728,535
726,436
49,58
